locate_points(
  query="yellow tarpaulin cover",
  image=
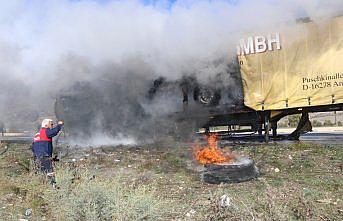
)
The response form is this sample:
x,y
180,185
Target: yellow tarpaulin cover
x,y
307,70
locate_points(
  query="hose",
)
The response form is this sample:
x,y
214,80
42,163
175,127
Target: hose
x,y
4,151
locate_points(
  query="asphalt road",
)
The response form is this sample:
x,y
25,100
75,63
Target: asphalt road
x,y
325,135
15,139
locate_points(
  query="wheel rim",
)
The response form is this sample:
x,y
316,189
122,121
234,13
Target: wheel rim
x,y
206,96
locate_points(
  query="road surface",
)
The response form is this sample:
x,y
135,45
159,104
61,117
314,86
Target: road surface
x,y
325,135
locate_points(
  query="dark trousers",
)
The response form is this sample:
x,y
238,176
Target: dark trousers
x,y
45,164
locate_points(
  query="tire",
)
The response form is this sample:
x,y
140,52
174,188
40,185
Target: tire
x,y
206,96
242,170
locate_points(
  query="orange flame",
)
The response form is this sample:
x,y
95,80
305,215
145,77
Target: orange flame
x,y
211,154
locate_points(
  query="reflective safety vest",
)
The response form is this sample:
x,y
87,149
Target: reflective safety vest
x,y
41,136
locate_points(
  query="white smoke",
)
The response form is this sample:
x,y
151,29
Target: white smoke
x,y
172,40
48,45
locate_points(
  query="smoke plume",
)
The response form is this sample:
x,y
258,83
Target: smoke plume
x,y
109,52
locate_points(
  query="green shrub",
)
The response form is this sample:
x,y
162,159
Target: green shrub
x,y
83,197
316,123
328,123
294,120
282,124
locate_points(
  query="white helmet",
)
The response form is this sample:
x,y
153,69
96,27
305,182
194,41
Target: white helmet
x,y
46,122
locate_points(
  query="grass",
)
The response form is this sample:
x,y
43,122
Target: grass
x,y
103,198
82,195
159,182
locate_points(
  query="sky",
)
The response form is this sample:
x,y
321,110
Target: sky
x,y
159,3
164,3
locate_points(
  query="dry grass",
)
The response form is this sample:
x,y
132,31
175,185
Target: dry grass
x,y
81,195
160,182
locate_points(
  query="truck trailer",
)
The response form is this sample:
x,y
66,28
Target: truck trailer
x,y
296,69
291,69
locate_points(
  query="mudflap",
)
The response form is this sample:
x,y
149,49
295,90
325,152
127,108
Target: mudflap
x,y
303,127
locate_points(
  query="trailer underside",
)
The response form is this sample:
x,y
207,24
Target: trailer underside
x,y
264,123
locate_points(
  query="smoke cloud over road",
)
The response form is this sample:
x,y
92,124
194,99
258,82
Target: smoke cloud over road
x,y
109,53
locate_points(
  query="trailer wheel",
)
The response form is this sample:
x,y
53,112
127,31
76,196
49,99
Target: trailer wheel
x,y
242,170
206,96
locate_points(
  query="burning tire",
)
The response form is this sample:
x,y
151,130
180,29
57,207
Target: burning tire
x,y
242,169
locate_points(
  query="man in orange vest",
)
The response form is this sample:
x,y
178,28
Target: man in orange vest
x,y
42,145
